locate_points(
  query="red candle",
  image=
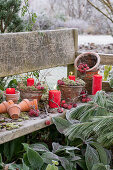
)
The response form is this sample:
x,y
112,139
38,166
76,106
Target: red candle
x,y
71,77
30,82
55,96
97,83
10,91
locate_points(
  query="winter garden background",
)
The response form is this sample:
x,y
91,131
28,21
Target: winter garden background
x,y
84,139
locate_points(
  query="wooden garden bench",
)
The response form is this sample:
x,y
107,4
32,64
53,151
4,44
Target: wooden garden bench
x,y
30,51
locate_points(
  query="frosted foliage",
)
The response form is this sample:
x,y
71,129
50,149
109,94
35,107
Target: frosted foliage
x,y
72,13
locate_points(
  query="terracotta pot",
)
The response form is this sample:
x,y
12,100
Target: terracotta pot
x,y
90,58
70,93
31,95
4,105
14,97
25,105
14,111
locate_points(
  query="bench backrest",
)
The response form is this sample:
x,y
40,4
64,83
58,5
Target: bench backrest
x,y
30,51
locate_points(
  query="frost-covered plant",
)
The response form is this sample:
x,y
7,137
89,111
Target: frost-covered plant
x,y
68,82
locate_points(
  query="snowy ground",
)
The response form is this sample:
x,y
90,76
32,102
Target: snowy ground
x,y
97,39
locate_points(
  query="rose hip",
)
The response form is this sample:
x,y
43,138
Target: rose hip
x,y
69,107
60,110
47,122
84,100
63,101
74,105
65,106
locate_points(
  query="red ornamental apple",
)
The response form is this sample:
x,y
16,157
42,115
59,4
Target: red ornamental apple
x,y
62,105
84,100
88,99
38,87
31,112
60,110
42,88
36,114
83,92
38,84
83,96
65,106
63,101
69,107
74,105
47,122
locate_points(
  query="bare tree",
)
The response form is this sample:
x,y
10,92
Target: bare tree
x,y
105,7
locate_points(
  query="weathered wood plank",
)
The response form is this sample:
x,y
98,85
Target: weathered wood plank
x,y
106,86
27,127
106,59
70,67
29,51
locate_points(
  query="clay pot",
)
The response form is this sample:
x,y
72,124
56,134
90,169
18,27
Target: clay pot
x,y
90,58
14,97
4,105
31,95
25,105
14,111
70,93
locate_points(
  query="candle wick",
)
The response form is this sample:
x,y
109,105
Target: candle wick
x,y
70,73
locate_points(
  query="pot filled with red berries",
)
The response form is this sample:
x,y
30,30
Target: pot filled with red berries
x,y
87,65
32,92
70,90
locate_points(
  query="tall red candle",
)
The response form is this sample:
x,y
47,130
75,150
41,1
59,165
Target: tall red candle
x,y
30,82
71,77
55,96
10,91
97,83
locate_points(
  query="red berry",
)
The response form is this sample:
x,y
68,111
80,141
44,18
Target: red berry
x,y
63,101
62,105
36,114
47,122
85,65
38,87
69,107
42,88
38,84
74,105
84,100
65,106
87,68
60,110
83,92
60,82
84,96
88,99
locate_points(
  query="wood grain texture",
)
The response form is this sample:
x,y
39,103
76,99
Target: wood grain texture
x,y
106,87
28,126
29,51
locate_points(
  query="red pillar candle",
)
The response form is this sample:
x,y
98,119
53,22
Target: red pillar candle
x,y
54,95
72,77
97,83
30,82
10,91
